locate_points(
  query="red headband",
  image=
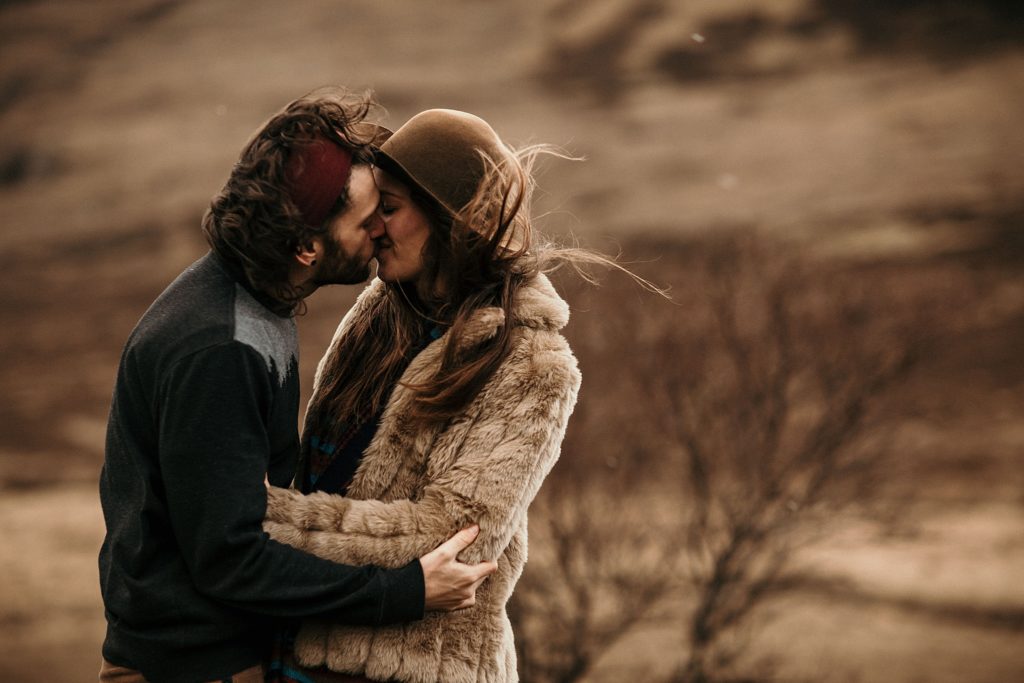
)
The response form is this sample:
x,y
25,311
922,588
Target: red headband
x,y
317,175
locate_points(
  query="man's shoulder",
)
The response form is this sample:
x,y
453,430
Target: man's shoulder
x,y
205,308
195,310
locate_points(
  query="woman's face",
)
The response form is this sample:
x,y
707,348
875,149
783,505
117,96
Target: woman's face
x,y
406,229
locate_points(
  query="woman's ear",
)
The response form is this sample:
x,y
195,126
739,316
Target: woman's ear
x,y
306,255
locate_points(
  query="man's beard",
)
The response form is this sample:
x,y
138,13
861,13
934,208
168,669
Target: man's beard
x,y
337,268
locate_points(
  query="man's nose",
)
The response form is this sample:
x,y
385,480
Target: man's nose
x,y
376,228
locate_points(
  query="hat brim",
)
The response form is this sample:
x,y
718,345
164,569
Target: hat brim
x,y
395,169
391,165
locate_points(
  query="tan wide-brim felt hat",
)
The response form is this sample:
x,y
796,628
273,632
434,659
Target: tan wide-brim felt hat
x,y
439,150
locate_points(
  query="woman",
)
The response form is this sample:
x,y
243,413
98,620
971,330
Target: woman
x,y
441,402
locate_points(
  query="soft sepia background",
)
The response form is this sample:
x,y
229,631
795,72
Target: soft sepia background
x,y
809,466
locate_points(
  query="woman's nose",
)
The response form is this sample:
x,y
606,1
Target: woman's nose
x,y
376,228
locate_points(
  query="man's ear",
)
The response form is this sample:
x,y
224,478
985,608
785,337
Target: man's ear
x,y
307,254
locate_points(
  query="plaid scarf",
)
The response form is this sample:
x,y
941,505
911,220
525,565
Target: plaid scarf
x,y
321,453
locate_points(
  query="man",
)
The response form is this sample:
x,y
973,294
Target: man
x,y
206,406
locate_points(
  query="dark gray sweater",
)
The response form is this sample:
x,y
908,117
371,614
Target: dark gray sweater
x,y
205,405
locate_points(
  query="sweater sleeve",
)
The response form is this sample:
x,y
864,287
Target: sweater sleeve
x,y
214,451
495,476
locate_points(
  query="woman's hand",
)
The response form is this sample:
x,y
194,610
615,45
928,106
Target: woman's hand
x,y
449,584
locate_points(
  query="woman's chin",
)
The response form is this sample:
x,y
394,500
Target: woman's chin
x,y
394,275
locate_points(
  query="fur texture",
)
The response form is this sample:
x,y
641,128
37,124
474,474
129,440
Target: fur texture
x,y
416,487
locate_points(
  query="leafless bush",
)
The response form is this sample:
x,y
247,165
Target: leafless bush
x,y
769,401
763,390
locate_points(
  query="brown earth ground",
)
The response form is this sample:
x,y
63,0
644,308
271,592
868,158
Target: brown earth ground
x,y
896,141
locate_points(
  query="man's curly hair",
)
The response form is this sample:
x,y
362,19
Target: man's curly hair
x,y
252,222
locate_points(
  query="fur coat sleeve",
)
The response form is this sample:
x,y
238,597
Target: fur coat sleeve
x,y
484,467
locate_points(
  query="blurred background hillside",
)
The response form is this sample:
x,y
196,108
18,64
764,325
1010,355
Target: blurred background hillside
x,y
808,467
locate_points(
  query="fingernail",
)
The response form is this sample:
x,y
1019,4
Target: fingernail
x,y
474,529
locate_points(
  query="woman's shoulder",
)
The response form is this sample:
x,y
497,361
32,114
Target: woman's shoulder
x,y
539,314
538,305
540,355
540,348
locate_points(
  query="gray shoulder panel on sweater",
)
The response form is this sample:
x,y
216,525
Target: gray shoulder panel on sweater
x,y
271,336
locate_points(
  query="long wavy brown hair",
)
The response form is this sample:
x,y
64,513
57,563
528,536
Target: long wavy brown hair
x,y
481,256
252,222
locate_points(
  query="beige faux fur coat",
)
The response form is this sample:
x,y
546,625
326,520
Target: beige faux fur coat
x,y
416,487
